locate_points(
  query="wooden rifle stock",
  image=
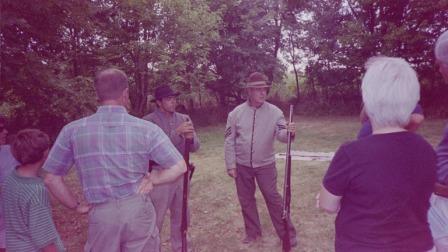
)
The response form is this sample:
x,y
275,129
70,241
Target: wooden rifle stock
x,y
286,244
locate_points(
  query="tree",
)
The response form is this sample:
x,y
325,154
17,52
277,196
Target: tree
x,y
346,33
249,41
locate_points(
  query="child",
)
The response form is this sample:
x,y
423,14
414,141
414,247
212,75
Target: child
x,y
7,164
27,212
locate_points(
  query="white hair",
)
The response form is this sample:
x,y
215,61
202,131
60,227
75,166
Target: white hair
x,y
390,91
441,48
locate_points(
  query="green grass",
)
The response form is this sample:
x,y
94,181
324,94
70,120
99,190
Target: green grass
x,y
216,221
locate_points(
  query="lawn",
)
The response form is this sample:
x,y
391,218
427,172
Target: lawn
x,y
216,221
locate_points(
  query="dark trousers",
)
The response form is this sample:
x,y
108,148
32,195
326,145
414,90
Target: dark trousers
x,y
266,177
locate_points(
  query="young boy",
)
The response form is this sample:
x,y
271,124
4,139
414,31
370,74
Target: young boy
x,y
27,212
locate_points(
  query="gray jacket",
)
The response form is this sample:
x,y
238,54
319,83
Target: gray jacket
x,y
250,134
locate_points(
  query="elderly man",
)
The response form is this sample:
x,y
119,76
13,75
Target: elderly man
x,y
438,213
111,150
249,154
7,165
178,127
380,186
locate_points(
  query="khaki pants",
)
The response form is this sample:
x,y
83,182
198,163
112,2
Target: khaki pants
x,y
170,196
127,225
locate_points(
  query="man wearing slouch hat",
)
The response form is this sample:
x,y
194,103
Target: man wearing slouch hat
x,y
251,130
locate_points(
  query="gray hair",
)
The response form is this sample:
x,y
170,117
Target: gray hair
x,y
110,84
390,91
441,48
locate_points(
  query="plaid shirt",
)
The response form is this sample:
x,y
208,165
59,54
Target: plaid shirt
x,y
111,150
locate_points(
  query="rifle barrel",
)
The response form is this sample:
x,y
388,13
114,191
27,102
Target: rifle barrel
x,y
287,189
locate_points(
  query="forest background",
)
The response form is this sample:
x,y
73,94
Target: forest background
x,y
312,51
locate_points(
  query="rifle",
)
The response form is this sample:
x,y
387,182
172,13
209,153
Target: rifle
x,y
287,190
184,224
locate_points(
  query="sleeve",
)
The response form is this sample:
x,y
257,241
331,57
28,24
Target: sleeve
x,y
60,159
161,149
148,117
280,128
365,131
229,142
337,177
442,159
42,229
196,143
418,110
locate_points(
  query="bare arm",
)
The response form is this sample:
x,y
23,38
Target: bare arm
x,y
415,122
170,174
363,115
327,201
59,189
50,248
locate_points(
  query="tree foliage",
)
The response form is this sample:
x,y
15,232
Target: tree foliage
x,y
51,50
339,36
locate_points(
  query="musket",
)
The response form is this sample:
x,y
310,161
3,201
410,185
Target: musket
x,y
184,224
287,189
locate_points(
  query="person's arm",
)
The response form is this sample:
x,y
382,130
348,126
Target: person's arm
x,y
335,183
42,230
283,127
196,143
415,122
62,193
186,131
168,175
58,163
162,151
50,248
229,145
442,159
327,201
363,115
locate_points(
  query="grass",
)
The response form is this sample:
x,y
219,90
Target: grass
x,y
216,221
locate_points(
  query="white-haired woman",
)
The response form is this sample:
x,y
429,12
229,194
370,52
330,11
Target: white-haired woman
x,y
380,185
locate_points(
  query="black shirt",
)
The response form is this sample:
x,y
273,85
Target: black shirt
x,y
385,182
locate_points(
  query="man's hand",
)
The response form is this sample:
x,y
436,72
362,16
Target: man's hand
x,y
232,172
291,127
83,208
146,184
186,129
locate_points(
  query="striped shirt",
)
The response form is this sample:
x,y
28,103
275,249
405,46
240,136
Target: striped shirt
x,y
111,151
28,220
7,165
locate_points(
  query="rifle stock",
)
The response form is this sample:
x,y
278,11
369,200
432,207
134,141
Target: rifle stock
x,y
286,244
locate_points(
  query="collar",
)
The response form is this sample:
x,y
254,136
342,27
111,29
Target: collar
x,y
255,108
111,109
159,112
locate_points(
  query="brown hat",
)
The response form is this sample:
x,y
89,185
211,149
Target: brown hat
x,y
257,80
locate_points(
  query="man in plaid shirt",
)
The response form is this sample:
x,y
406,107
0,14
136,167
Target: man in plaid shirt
x,y
111,150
